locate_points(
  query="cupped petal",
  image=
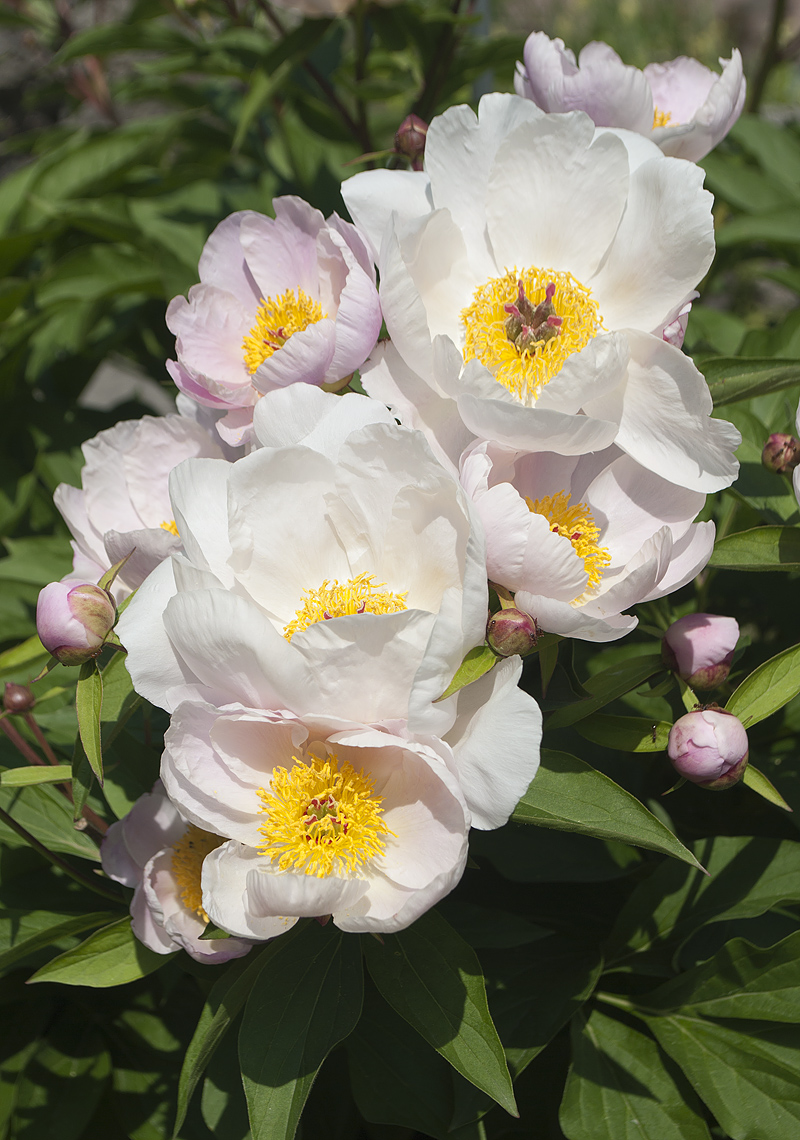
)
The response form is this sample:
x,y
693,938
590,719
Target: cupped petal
x,y
690,554
574,621
358,324
547,64
271,893
225,896
534,429
665,423
611,93
209,329
149,932
199,494
282,254
597,369
303,415
373,196
304,358
222,262
144,549
712,119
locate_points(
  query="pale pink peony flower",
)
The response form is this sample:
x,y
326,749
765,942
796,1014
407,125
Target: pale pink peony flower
x,y
579,539
700,648
280,301
157,853
123,504
682,106
709,747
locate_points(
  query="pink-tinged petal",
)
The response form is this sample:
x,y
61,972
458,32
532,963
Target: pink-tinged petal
x,y
689,555
577,181
680,87
663,247
222,262
71,502
225,873
147,548
106,498
356,242
117,861
611,93
572,621
199,495
712,120
666,425
160,444
236,427
547,63
152,823
282,254
305,358
597,369
305,416
199,390
358,324
149,932
209,329
495,719
403,308
272,893
531,429
373,196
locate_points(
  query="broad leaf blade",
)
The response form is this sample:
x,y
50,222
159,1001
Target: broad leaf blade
x,y
768,688
89,704
568,795
758,783
307,1002
110,957
732,378
625,733
606,687
433,979
75,924
36,774
763,548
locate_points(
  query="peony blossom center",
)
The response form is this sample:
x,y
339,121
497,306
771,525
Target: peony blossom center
x,y
523,327
277,319
577,524
661,119
323,818
170,527
355,596
187,865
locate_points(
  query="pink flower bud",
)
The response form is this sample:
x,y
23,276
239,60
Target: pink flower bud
x,y
512,631
781,453
18,698
410,139
699,648
74,619
709,747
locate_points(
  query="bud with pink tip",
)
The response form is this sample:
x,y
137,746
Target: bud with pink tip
x,y
699,648
511,632
74,619
709,747
781,453
410,139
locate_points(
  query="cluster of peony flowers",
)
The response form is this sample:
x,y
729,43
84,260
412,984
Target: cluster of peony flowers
x,y
310,565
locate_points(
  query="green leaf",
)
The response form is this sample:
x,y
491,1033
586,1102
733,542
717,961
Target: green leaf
x,y
432,978
625,733
748,1080
110,957
741,980
746,877
606,687
75,924
763,548
779,226
262,88
768,688
733,378
120,701
619,1089
221,1008
36,774
89,705
568,795
30,654
308,1001
477,662
548,658
758,782
48,816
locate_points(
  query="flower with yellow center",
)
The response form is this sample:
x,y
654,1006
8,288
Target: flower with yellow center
x,y
278,318
355,596
323,818
170,527
187,865
524,325
577,524
661,119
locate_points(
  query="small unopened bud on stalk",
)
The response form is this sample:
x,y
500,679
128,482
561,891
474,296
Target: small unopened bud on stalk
x,y
410,140
781,453
709,747
74,619
18,698
511,631
699,648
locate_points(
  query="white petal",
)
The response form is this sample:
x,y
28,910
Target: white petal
x,y
373,196
225,873
304,415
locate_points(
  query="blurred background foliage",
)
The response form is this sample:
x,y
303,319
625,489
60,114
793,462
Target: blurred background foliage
x,y
130,129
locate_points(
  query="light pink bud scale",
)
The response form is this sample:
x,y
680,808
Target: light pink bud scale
x,y
699,648
74,619
709,747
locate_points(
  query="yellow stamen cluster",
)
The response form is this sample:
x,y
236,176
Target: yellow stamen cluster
x,y
323,818
170,527
355,596
187,864
486,339
577,524
661,118
277,319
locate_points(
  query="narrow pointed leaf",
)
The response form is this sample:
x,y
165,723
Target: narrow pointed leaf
x,y
36,774
768,688
478,661
110,957
758,782
89,704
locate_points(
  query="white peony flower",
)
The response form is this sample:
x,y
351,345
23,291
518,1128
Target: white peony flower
x,y
157,853
527,280
344,580
580,539
283,300
685,108
123,504
360,824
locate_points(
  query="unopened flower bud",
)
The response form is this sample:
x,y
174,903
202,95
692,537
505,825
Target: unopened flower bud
x,y
781,453
512,631
699,648
410,139
73,620
18,698
709,747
